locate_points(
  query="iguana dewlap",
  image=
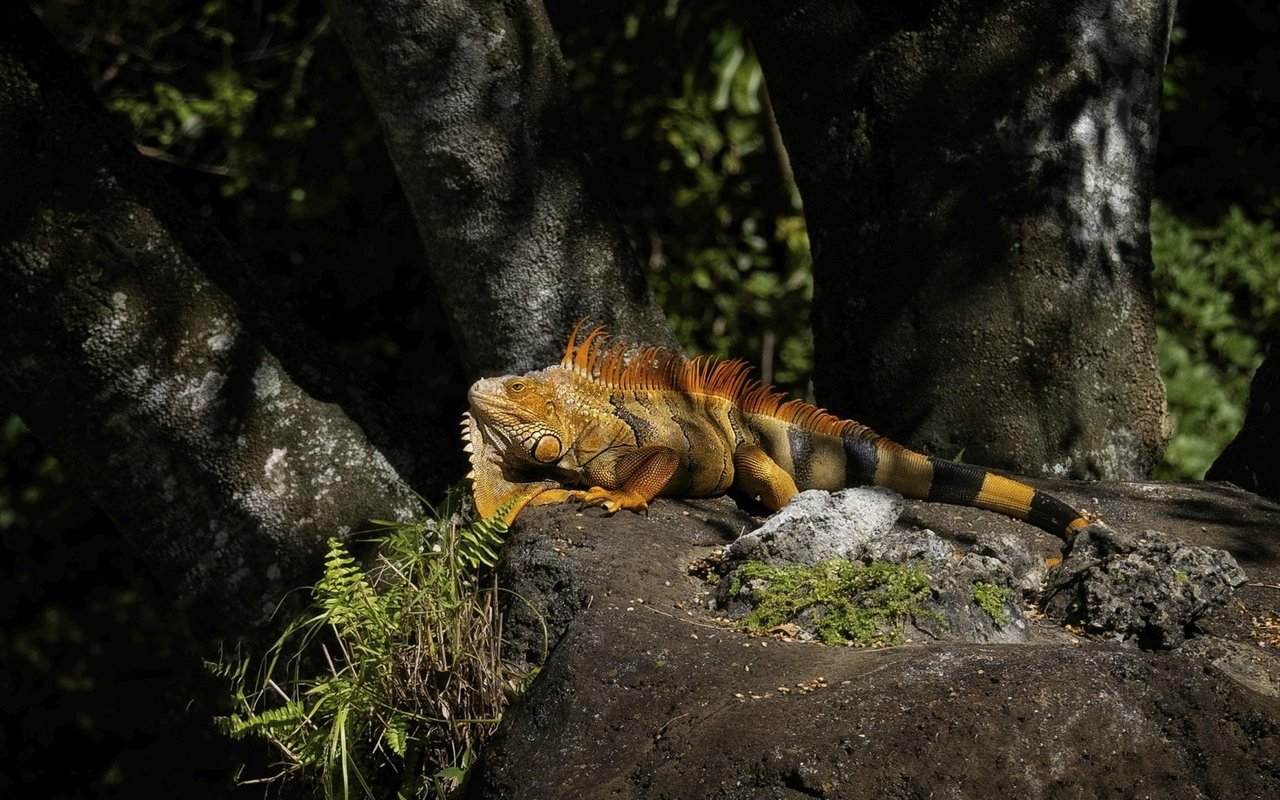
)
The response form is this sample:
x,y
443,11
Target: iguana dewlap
x,y
616,428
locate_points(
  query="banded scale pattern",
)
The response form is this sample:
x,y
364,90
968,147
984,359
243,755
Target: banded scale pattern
x,y
633,424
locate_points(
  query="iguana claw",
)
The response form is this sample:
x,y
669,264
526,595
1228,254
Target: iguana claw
x,y
613,500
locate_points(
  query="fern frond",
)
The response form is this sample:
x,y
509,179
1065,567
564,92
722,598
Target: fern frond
x,y
238,726
396,734
477,544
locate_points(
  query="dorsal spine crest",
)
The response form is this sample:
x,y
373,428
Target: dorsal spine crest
x,y
610,363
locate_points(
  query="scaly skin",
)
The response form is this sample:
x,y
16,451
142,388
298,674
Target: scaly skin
x,y
617,428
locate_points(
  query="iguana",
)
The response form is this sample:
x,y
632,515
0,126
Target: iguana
x,y
615,427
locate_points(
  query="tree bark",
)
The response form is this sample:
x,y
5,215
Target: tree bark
x,y
133,349
977,179
470,99
1252,460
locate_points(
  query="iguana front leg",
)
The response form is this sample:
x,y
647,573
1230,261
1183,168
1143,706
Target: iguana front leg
x,y
490,489
758,475
494,494
635,478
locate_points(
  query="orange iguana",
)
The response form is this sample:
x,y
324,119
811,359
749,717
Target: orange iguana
x,y
627,426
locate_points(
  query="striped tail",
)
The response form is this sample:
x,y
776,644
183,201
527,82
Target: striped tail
x,y
881,462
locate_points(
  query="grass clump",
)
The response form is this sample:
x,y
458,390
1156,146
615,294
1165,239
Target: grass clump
x,y
394,678
844,602
992,598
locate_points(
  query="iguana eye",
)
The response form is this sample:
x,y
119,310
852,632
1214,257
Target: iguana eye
x,y
515,387
546,449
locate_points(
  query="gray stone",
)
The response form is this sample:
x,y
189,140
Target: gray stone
x,y
900,545
817,526
1146,587
1018,553
959,617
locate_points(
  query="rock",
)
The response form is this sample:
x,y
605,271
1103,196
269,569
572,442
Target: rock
x,y
646,695
1147,587
645,716
969,597
1254,668
900,545
975,599
818,526
972,598
1018,554
549,578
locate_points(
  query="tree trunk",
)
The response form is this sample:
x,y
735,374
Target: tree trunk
x,y
1252,460
128,348
977,179
471,102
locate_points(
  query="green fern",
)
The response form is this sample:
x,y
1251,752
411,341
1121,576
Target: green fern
x,y
238,726
409,680
397,734
478,543
344,594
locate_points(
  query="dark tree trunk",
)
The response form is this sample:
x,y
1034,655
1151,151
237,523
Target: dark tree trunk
x,y
1252,460
129,348
976,179
470,98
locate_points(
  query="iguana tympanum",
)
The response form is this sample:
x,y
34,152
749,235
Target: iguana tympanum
x,y
616,428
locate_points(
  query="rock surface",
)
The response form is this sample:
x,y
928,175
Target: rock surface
x,y
646,694
818,525
1145,586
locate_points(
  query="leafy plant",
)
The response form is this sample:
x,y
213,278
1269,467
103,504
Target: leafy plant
x,y
1218,291
396,676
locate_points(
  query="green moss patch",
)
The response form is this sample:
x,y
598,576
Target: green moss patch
x,y
843,602
992,598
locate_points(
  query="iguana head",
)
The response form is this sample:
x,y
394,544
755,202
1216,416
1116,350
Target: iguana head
x,y
517,421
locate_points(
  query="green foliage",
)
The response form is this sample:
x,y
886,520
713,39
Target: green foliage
x,y
395,678
843,601
686,138
1177,70
29,478
1219,294
992,598
239,114
171,115
1217,256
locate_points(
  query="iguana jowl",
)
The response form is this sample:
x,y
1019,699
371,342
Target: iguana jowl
x,y
616,428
